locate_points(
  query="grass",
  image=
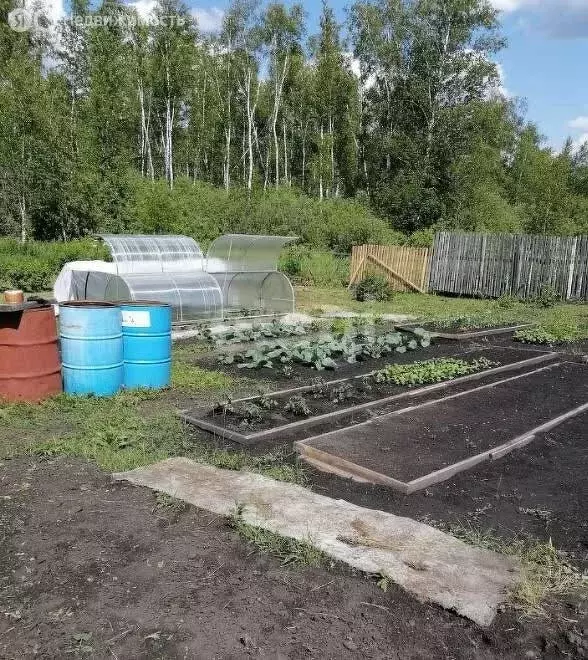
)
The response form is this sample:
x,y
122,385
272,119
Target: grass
x,y
429,307
190,379
289,551
132,429
545,573
168,503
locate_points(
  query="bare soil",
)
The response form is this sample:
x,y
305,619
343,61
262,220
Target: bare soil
x,y
321,401
418,442
91,568
537,492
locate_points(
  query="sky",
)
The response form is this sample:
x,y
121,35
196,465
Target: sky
x,y
545,62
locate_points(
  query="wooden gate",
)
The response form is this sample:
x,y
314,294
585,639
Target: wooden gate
x,y
405,268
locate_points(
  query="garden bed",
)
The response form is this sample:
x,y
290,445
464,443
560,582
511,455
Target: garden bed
x,y
414,447
301,375
458,330
355,398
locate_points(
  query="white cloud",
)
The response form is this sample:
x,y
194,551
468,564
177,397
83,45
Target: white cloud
x,y
579,123
501,87
144,7
209,19
565,19
509,5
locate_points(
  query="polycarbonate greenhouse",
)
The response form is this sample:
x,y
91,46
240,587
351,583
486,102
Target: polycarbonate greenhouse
x,y
239,275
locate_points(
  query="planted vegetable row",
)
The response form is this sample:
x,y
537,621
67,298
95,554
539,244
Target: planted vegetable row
x,y
320,354
417,373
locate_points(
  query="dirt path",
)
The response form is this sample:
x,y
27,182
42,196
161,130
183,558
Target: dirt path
x,y
89,568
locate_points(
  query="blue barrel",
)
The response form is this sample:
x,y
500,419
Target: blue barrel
x,y
147,344
91,347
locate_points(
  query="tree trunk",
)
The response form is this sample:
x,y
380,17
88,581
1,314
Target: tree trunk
x,y
23,219
285,141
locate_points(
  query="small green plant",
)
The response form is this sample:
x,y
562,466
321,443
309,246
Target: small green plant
x,y
339,326
373,288
267,403
383,581
258,331
554,333
506,301
341,393
318,389
297,406
223,408
250,413
430,371
547,297
288,371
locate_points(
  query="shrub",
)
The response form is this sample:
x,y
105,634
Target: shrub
x,y
547,297
33,266
202,211
373,288
320,268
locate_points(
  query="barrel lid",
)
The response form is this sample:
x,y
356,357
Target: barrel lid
x,y
88,304
142,303
20,307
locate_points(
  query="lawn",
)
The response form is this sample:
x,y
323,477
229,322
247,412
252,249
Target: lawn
x,y
133,429
429,307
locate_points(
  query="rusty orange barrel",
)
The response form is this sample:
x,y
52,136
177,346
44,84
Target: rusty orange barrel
x,y
30,367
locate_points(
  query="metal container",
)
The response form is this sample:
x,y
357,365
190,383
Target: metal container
x,y
147,344
91,347
30,369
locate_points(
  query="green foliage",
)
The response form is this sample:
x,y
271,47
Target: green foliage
x,y
257,331
555,333
307,266
116,433
547,297
339,326
202,211
373,288
297,406
430,371
33,266
157,129
191,379
320,353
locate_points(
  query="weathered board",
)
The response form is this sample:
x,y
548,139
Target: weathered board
x,y
493,265
406,268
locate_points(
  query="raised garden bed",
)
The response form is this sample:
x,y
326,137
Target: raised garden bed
x,y
302,375
417,446
459,330
330,403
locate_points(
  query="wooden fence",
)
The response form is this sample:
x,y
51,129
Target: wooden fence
x,y
492,265
406,268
